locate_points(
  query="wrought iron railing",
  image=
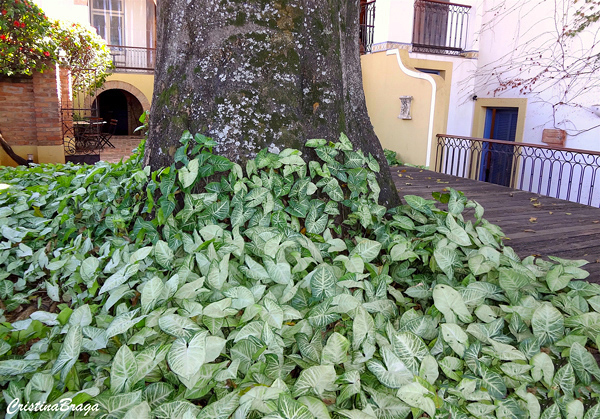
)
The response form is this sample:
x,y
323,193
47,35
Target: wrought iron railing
x,y
440,27
562,173
367,25
133,58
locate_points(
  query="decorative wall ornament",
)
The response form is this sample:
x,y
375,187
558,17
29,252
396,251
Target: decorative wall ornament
x,y
405,102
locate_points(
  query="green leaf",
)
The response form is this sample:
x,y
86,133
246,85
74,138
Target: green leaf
x,y
69,352
290,408
547,324
565,379
185,359
410,349
119,278
415,395
447,259
395,373
222,408
418,203
455,337
139,411
151,293
88,268
451,304
178,326
188,174
163,254
492,383
584,364
123,368
315,380
323,282
336,350
543,368
366,249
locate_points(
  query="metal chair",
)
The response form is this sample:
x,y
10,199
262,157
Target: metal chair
x,y
89,139
105,137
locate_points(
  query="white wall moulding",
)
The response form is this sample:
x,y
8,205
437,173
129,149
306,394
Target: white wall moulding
x,y
405,105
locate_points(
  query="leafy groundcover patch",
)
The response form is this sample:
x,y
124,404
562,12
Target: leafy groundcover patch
x,y
281,290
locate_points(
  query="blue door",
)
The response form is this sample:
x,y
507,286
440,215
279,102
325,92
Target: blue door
x,y
497,159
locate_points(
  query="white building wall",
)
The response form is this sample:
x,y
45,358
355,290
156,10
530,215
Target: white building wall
x,y
65,10
520,40
506,38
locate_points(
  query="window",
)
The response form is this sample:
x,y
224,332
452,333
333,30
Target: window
x,y
429,71
108,19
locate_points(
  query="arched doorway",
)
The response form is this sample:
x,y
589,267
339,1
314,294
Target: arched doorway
x,y
121,105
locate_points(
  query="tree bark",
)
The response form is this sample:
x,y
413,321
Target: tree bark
x,y
260,74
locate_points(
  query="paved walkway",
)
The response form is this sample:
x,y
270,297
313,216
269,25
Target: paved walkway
x,y
123,148
533,224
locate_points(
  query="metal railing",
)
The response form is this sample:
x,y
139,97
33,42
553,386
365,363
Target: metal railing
x,y
367,26
139,59
560,173
440,27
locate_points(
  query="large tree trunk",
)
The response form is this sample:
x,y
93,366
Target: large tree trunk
x,y
260,74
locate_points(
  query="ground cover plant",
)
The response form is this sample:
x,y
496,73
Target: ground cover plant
x,y
280,289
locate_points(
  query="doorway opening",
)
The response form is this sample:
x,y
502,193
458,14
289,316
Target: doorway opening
x,y
497,159
120,105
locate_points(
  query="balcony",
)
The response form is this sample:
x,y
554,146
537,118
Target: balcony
x,y
440,27
367,25
133,59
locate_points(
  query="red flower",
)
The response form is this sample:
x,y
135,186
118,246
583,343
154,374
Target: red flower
x,y
23,24
4,12
3,37
16,23
46,53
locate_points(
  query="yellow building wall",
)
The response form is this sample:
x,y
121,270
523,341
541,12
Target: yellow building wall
x,y
144,82
384,82
41,154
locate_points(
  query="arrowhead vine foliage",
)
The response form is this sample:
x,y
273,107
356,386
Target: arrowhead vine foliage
x,y
282,290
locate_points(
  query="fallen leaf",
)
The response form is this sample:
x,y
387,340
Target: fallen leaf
x,y
533,220
568,213
399,174
529,231
533,199
537,204
409,184
403,170
595,222
550,212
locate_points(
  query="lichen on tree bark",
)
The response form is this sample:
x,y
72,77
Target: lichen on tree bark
x,y
260,74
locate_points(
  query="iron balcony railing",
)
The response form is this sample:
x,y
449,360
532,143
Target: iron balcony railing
x,y
440,27
138,59
560,173
367,25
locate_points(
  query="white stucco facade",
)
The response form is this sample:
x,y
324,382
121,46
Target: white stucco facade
x,y
507,42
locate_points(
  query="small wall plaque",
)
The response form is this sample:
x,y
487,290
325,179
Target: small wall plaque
x,y
555,137
405,103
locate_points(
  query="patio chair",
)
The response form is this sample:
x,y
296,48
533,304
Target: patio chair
x,y
105,137
89,139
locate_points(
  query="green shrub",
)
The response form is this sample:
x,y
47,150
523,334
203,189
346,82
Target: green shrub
x,y
283,290
29,42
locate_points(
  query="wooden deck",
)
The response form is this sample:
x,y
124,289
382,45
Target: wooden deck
x,y
533,224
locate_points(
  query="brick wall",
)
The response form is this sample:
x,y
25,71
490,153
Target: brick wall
x,y
30,107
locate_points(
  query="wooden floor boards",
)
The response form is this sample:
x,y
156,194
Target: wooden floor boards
x,y
533,224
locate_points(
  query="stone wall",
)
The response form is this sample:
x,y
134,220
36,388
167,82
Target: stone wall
x,y
30,116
